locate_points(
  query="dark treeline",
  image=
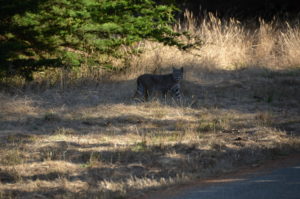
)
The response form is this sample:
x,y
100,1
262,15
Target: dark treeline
x,y
244,9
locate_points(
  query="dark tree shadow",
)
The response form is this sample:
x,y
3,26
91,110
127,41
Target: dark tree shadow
x,y
247,91
137,165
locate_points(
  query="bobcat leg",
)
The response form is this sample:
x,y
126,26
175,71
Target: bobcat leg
x,y
146,94
176,92
164,94
140,91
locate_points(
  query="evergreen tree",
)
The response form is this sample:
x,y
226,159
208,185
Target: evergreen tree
x,y
37,33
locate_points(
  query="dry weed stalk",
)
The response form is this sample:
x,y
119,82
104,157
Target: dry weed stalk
x,y
72,139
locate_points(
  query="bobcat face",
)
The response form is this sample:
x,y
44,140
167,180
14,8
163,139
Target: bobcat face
x,y
177,74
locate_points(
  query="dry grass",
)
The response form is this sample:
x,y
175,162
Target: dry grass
x,y
73,136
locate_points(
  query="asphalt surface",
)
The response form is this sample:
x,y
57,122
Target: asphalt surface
x,y
282,183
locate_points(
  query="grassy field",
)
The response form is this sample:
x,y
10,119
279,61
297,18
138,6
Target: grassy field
x,y
81,135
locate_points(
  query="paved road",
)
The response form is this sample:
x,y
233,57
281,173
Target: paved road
x,y
283,183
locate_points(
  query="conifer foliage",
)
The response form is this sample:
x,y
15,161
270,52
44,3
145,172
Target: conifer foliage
x,y
39,33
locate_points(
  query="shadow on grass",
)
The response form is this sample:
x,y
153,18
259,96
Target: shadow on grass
x,y
223,88
256,84
118,125
247,91
147,164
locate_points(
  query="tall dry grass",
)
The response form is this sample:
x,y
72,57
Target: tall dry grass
x,y
78,136
230,44
227,44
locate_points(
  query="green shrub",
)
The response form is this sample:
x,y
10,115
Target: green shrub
x,y
69,32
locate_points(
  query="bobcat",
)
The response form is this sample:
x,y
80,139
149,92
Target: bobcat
x,y
148,83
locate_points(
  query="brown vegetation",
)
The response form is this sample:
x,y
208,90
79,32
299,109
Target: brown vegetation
x,y
79,134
